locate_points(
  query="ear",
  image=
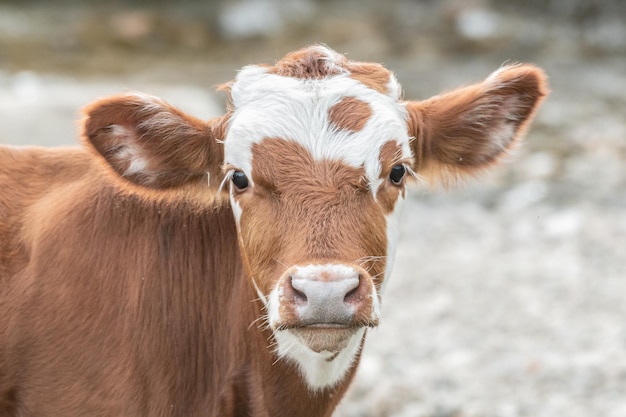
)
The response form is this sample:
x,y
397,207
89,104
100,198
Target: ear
x,y
152,144
469,129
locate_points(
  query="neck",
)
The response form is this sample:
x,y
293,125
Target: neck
x,y
226,349
271,384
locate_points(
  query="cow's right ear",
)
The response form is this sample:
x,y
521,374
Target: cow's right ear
x,y
152,144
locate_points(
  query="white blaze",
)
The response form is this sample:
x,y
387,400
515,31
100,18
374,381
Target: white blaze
x,y
273,106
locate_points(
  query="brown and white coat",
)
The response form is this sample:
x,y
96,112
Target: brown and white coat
x,y
128,286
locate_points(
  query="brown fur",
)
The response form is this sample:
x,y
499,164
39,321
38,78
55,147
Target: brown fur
x,y
187,155
113,304
312,63
124,287
374,76
387,194
350,114
305,63
304,213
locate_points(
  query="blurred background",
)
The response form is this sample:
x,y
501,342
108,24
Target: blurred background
x,y
509,295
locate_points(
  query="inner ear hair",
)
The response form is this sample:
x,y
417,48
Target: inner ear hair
x,y
462,133
151,144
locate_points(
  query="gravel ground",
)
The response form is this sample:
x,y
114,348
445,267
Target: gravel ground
x,y
508,293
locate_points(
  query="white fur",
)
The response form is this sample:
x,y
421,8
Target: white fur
x,y
272,106
494,78
395,91
117,130
501,136
129,152
273,304
376,309
316,369
136,165
260,293
148,99
234,204
333,59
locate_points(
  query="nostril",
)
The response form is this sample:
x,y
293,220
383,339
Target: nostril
x,y
353,294
298,295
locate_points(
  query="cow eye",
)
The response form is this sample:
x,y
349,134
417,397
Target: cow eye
x,y
396,174
240,180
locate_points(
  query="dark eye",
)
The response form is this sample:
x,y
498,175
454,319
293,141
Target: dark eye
x,y
396,174
240,180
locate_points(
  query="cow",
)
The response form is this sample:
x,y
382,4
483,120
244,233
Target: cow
x,y
173,266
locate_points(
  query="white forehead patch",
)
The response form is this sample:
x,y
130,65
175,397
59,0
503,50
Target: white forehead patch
x,y
272,106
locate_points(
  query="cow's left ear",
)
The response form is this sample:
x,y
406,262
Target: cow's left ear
x,y
467,130
152,144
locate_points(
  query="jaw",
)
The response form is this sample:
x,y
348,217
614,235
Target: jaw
x,y
323,356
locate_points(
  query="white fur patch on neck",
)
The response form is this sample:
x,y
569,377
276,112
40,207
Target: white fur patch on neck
x,y
319,370
272,106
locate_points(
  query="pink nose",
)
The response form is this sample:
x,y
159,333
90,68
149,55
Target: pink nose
x,y
328,295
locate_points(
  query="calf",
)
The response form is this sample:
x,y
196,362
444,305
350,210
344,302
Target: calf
x,y
177,267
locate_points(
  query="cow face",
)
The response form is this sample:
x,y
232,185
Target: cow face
x,y
317,162
316,155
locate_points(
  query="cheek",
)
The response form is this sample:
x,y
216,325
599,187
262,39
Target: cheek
x,y
372,227
387,196
259,238
393,220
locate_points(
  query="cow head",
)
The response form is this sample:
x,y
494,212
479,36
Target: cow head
x,y
315,154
